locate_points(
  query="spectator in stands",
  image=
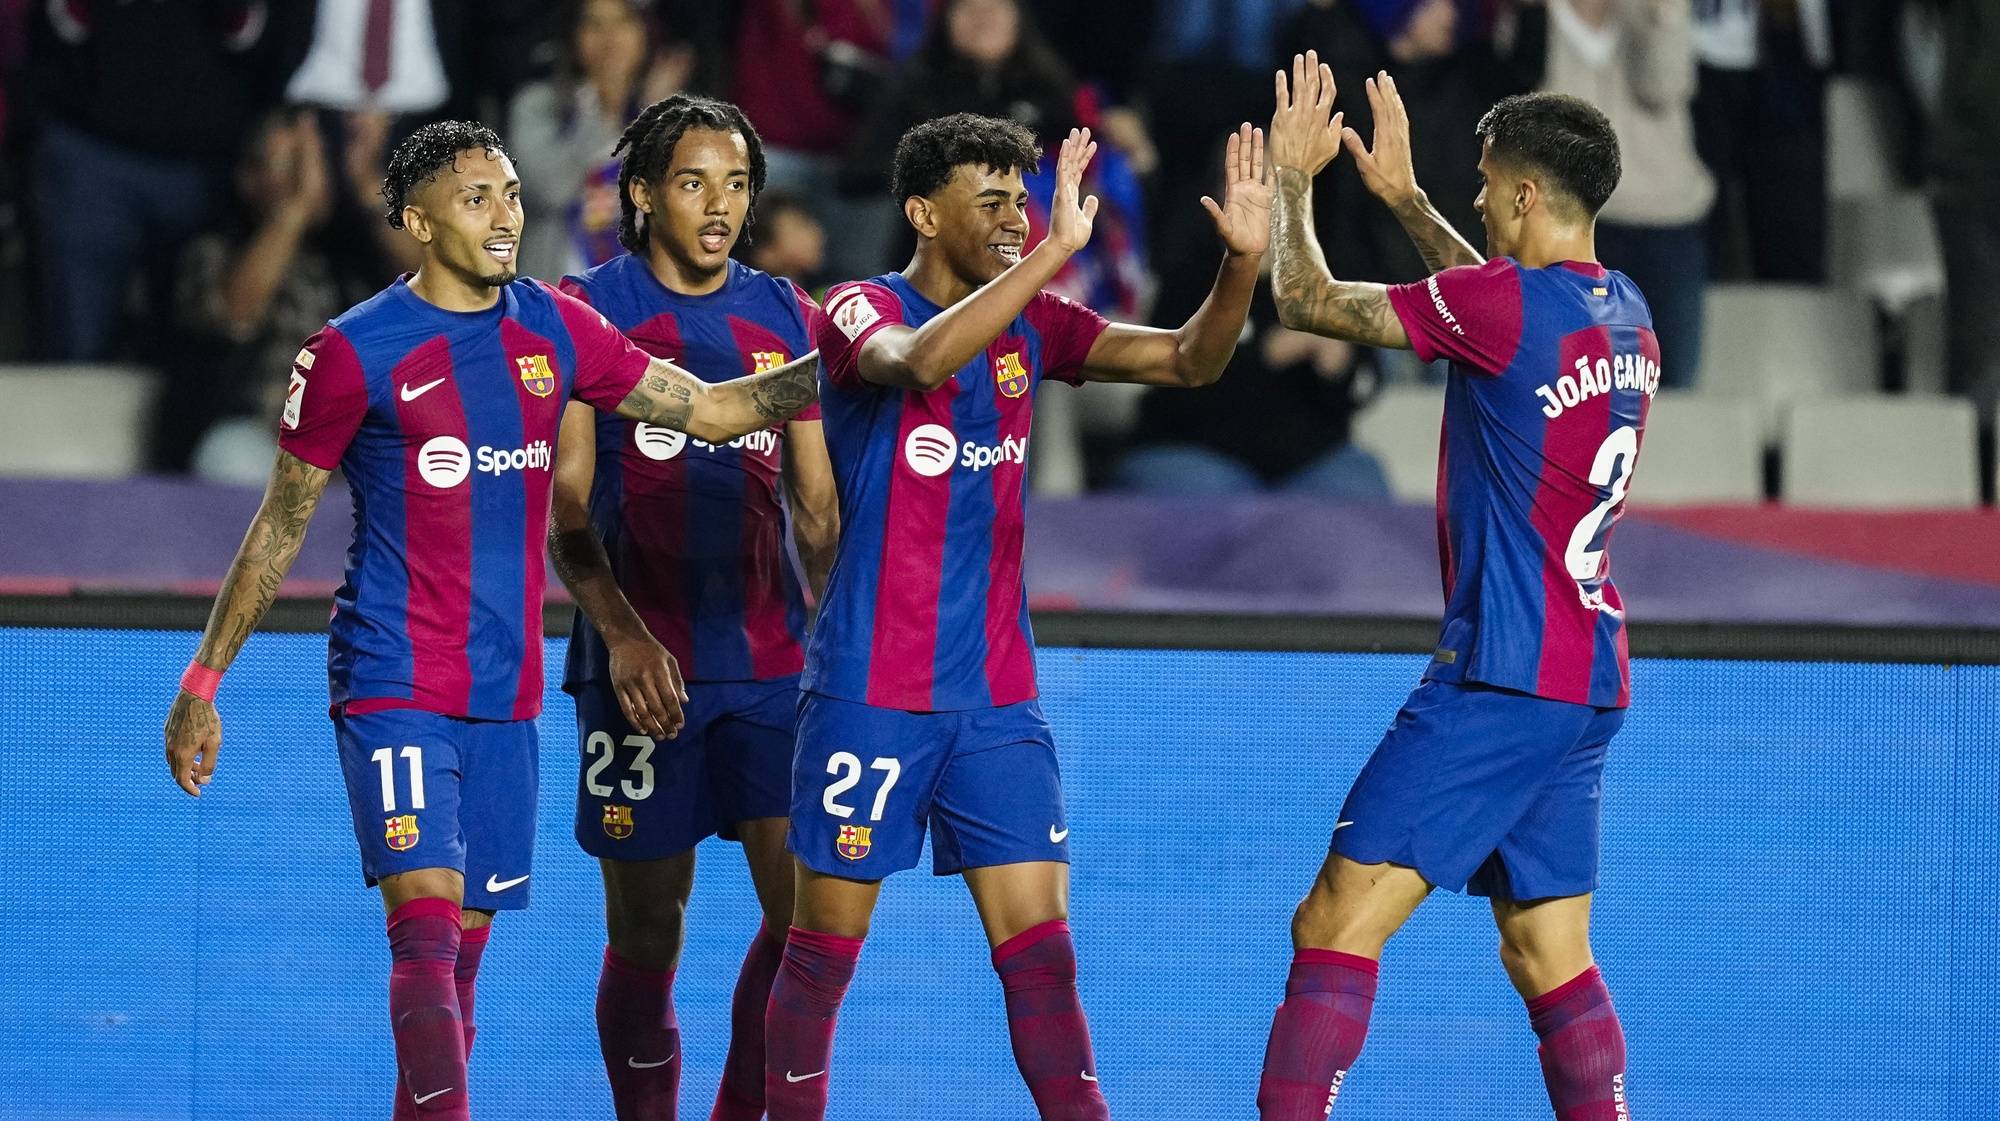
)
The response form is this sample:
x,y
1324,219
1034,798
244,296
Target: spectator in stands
x,y
1278,419
138,109
561,131
282,261
785,240
1760,126
1965,162
1634,59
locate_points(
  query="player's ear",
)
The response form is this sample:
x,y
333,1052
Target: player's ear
x,y
641,194
1526,194
417,224
922,215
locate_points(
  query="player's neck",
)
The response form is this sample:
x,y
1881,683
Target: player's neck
x,y
1553,246
935,281
680,280
438,286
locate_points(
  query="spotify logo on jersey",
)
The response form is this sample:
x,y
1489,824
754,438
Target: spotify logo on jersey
x,y
444,461
930,449
658,443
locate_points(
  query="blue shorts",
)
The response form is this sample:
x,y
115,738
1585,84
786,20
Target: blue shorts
x,y
431,791
638,798
1484,790
866,781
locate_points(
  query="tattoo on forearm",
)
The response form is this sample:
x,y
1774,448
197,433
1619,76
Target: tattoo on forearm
x,y
267,554
1308,297
787,389
1438,244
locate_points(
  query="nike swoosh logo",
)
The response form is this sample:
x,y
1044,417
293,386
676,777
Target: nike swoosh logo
x,y
1089,1077
790,1077
1341,826
411,393
1056,836
422,1098
495,883
635,1064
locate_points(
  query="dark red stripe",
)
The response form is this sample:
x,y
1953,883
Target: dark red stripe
x,y
437,535
903,649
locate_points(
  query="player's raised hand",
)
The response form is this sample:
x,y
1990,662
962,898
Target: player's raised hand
x,y
1386,168
194,733
1244,217
1302,135
647,680
1070,220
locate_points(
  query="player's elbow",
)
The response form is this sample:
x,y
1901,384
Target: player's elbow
x,y
1292,313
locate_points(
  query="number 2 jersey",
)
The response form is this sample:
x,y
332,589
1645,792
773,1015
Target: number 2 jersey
x,y
696,531
925,609
1552,373
445,424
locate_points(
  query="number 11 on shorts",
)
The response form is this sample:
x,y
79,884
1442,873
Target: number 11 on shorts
x,y
385,760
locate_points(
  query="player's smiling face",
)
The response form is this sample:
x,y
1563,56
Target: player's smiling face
x,y
981,220
695,213
469,217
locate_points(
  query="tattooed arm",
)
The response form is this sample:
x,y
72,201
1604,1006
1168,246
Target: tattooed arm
x,y
194,730
673,398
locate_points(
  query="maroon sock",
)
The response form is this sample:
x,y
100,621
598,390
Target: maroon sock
x,y
471,947
639,1037
740,1097
1316,1035
798,1022
1037,970
1583,1049
423,1009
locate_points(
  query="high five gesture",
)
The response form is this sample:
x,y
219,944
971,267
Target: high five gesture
x,y
1069,220
1244,218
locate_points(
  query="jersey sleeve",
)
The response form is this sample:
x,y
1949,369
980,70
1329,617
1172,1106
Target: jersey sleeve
x,y
1068,331
572,286
854,313
1470,315
325,402
815,321
608,366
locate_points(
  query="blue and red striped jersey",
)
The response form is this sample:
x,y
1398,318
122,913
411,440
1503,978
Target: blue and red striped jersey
x,y
445,425
926,609
1552,373
696,531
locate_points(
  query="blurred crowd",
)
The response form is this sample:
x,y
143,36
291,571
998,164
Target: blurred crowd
x,y
193,184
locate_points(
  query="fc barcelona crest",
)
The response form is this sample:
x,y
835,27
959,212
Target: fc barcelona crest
x,y
853,842
766,360
401,832
1010,374
537,374
617,821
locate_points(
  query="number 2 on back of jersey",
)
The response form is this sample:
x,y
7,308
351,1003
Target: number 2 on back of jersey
x,y
1613,468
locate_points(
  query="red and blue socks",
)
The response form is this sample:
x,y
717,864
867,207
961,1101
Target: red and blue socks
x,y
639,1037
740,1097
1045,1020
1583,1049
1316,1035
424,941
813,976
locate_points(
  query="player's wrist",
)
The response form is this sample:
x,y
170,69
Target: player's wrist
x,y
201,681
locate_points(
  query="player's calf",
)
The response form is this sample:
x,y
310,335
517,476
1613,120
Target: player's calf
x,y
1045,1021
424,938
638,1033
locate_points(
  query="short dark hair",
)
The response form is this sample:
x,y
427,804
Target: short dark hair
x,y
927,154
1562,136
427,151
649,142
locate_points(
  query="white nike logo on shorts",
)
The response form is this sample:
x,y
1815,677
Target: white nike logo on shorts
x,y
410,393
790,1077
1056,835
422,1098
1341,826
495,883
1089,1077
635,1064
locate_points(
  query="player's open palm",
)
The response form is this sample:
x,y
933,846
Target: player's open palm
x,y
1386,168
647,680
194,733
1303,136
1071,217
1244,217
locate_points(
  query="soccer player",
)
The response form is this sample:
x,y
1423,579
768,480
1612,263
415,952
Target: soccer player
x,y
675,551
920,705
440,400
1490,777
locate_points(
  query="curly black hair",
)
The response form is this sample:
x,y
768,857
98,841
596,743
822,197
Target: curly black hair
x,y
427,151
928,153
1565,137
649,142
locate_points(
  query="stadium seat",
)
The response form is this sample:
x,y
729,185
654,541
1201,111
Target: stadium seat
x,y
1700,449
1784,343
1924,346
80,422
1401,428
1876,452
1886,246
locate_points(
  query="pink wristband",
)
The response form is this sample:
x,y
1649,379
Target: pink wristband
x,y
201,681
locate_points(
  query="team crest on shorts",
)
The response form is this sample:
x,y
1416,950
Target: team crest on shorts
x,y
1010,374
401,832
853,842
537,374
617,821
763,361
